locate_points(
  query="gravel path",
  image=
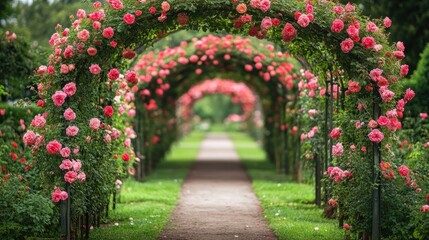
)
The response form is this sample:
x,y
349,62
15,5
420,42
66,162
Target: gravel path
x,y
217,200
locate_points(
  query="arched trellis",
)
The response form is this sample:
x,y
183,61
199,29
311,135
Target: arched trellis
x,y
230,56
99,40
238,92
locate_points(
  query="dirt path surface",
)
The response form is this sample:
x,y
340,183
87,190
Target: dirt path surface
x,y
217,200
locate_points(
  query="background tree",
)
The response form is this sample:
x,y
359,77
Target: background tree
x,y
419,82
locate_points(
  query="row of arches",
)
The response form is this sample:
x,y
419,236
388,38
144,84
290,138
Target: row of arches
x,y
354,68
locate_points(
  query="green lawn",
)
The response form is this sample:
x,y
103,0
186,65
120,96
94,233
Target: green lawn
x,y
287,205
146,207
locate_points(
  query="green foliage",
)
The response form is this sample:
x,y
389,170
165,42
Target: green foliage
x,y
215,108
419,82
17,62
24,211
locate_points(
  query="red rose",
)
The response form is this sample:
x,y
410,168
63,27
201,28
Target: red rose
x,y
288,33
128,54
108,111
126,157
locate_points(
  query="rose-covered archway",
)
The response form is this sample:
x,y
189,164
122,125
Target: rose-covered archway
x,y
337,42
238,92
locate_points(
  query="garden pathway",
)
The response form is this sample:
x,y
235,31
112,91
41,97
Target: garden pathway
x,y
217,200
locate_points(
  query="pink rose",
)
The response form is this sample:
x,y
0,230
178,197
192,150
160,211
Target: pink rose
x,y
59,98
77,165
72,131
383,121
424,208
95,69
372,124
337,150
53,147
68,52
129,18
353,32
423,115
39,121
404,70
64,69
131,113
359,124
127,143
70,176
387,22
378,47
399,54
350,8
335,133
368,42
346,226
264,5
354,86
165,6
69,114
266,23
70,89
337,25
116,4
371,27
108,33
66,164
83,35
376,136
94,123
288,33
347,45
76,150
130,76
64,195
91,51
115,134
107,138
96,25
375,74
409,94
338,9
303,20
56,195
386,94
118,182
403,170
65,152
113,74
81,177
255,3
81,13
29,138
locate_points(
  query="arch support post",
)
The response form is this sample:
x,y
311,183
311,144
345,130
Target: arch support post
x,y
318,175
376,192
